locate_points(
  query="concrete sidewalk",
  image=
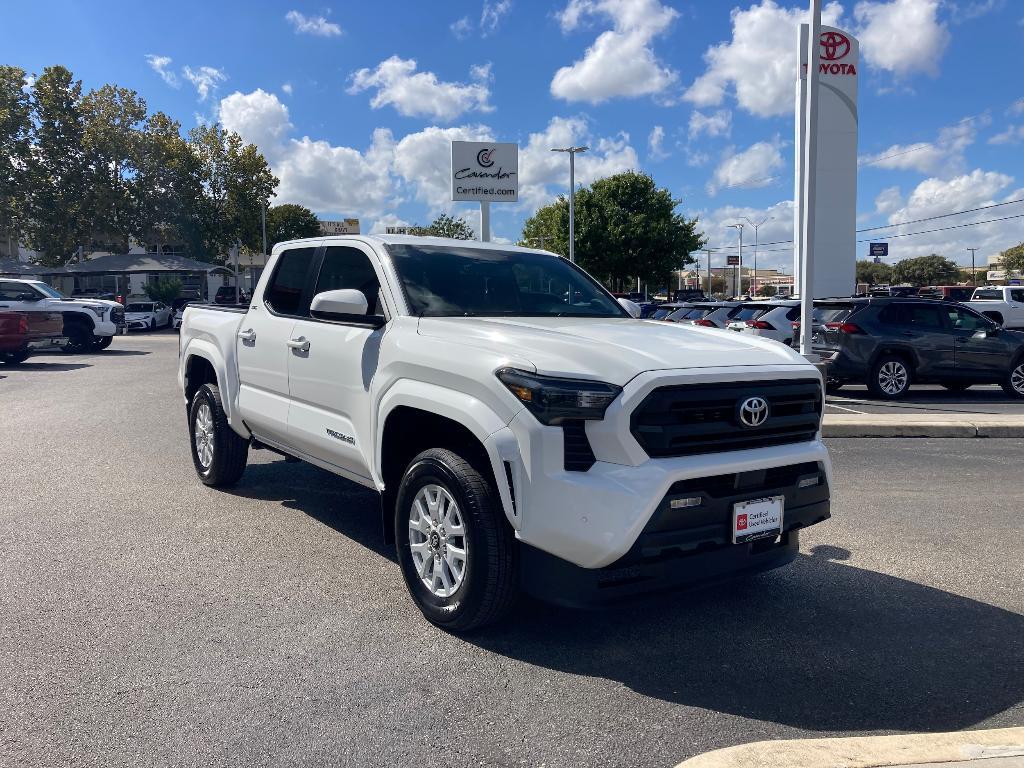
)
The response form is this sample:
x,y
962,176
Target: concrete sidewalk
x,y
1000,748
931,425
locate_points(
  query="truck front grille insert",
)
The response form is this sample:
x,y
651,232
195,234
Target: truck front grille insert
x,y
705,418
579,456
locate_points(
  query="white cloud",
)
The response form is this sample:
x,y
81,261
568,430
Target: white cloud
x,y
160,64
543,174
620,62
287,88
961,12
889,200
718,123
1017,108
942,157
258,117
655,144
759,63
421,94
491,15
379,227
312,25
423,161
902,36
205,80
752,168
1014,134
461,28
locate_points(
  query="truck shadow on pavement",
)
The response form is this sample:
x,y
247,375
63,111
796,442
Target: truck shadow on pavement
x,y
50,367
819,645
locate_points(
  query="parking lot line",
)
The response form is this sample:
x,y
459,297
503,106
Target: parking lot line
x,y
842,408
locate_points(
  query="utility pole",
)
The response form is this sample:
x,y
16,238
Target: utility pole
x,y
739,250
708,252
757,227
264,221
572,196
974,271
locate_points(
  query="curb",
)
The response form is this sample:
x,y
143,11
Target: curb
x,y
869,751
866,426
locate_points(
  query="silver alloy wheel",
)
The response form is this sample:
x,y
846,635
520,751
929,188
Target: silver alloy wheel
x,y
1017,379
892,377
204,435
437,540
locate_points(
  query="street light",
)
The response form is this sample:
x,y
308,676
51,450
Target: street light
x,y
739,272
757,227
572,196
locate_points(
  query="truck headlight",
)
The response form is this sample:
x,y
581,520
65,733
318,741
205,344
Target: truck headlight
x,y
98,311
554,401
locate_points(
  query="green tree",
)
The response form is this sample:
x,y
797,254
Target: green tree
x,y
926,270
57,202
873,274
626,227
1013,258
15,149
164,290
447,226
767,290
111,120
548,228
290,222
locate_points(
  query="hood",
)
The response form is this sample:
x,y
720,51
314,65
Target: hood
x,y
95,302
608,349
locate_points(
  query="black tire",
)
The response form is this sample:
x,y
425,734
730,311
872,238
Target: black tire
x,y
80,339
228,451
957,386
491,566
102,342
152,324
833,385
1013,383
890,377
15,358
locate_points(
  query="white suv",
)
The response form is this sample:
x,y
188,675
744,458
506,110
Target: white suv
x,y
89,324
774,321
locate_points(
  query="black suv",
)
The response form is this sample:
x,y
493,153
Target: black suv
x,y
888,343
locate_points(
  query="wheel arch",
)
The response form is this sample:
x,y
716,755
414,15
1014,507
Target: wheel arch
x,y
198,359
79,318
900,350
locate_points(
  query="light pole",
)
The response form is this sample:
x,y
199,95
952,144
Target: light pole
x,y
739,250
757,227
708,252
572,196
974,271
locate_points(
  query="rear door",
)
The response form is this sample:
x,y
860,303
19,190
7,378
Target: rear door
x,y
330,374
262,345
1015,300
922,329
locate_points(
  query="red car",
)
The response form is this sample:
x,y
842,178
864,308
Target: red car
x,y
22,333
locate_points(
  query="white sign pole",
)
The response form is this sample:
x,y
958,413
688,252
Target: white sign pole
x,y
485,221
798,192
810,177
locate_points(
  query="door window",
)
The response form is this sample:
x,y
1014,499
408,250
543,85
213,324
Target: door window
x,y
347,267
13,291
1017,296
284,293
925,317
963,320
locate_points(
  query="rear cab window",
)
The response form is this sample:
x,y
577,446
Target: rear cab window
x,y
990,294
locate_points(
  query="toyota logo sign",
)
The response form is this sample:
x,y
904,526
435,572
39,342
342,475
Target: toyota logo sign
x,y
754,412
834,46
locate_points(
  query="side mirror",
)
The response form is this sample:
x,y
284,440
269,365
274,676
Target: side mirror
x,y
29,297
629,306
346,305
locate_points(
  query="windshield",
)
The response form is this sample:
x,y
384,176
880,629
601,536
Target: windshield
x,y
139,308
749,313
834,314
454,281
697,313
44,288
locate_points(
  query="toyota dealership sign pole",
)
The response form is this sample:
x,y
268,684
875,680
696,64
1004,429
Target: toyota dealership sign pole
x,y
485,172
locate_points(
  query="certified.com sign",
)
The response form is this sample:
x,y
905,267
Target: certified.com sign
x,y
485,171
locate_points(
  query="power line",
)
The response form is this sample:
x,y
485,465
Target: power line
x,y
942,216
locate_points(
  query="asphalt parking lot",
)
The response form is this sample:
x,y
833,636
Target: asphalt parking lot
x,y
925,400
147,619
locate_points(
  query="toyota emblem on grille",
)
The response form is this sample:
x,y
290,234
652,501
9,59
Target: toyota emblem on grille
x,y
754,411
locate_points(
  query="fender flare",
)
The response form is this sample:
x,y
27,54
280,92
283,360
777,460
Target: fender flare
x,y
476,416
227,380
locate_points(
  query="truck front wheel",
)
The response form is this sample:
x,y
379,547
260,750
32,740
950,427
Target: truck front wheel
x,y
218,452
457,554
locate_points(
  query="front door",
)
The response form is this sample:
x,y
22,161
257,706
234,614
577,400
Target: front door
x,y
332,365
977,354
921,327
262,346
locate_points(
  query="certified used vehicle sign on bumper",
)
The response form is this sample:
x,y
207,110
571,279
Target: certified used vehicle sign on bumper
x,y
757,519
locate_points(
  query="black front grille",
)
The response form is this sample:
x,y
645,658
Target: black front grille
x,y
117,316
704,418
579,456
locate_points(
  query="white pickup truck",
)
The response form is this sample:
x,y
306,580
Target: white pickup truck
x,y
89,324
1002,303
523,430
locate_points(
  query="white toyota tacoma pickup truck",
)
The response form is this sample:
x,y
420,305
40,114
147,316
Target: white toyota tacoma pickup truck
x,y
523,430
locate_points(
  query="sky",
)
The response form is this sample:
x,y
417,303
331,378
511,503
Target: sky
x,y
354,104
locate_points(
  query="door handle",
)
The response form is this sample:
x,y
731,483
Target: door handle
x,y
299,345
247,335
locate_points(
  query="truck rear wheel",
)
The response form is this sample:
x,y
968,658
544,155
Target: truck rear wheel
x,y
457,554
14,358
218,452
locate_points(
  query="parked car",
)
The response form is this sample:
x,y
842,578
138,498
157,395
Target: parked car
x,y
89,324
1003,303
775,321
517,439
662,311
709,314
23,333
226,295
147,315
947,292
890,344
179,312
748,310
